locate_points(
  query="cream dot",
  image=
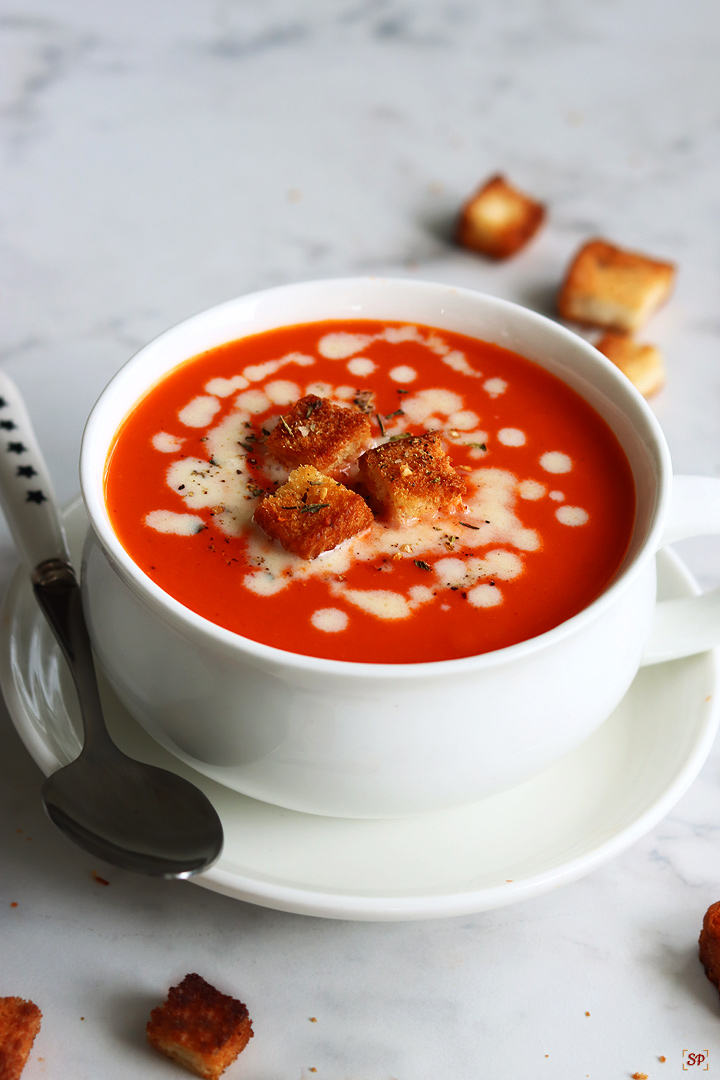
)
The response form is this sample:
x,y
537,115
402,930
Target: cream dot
x,y
464,420
451,571
344,393
254,401
511,436
403,373
167,521
263,584
361,366
329,620
571,515
225,387
505,565
556,462
557,496
485,596
322,389
166,443
495,387
282,391
199,412
341,345
530,489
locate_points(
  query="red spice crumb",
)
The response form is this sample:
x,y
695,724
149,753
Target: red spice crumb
x,y
313,1019
100,880
587,1013
662,1058
82,1017
639,1076
13,903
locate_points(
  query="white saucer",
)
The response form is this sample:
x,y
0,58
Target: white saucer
x,y
552,830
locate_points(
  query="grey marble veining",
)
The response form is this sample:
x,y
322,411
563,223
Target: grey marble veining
x,y
156,159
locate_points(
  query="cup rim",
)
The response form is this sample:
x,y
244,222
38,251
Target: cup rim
x,y
96,433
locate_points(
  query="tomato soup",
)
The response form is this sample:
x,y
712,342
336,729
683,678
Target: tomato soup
x,y
545,523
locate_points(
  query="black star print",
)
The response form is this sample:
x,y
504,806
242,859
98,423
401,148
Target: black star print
x,y
26,470
36,497
16,448
7,425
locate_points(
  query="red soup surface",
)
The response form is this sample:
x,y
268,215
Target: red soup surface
x,y
548,511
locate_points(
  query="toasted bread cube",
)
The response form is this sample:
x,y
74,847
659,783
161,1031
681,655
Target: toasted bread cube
x,y
312,513
643,364
499,220
199,1027
412,478
614,289
19,1024
709,943
320,433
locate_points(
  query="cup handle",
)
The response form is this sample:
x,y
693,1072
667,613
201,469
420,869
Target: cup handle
x,y
692,625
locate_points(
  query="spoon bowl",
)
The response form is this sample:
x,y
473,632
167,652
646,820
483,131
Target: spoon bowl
x,y
133,815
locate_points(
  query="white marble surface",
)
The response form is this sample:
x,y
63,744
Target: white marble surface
x,y
158,158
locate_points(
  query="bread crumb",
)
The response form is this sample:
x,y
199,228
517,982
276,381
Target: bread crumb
x,y
312,513
615,289
318,432
662,1058
644,365
587,1013
639,1076
709,943
200,1027
19,1025
499,220
412,478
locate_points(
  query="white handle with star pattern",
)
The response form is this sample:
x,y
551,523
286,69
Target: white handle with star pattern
x,y
26,492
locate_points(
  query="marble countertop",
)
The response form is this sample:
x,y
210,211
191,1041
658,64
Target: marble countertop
x,y
158,159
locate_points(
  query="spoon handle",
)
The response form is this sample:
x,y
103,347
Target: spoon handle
x,y
26,491
27,498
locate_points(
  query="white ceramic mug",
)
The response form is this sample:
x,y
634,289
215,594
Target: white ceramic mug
x,y
379,740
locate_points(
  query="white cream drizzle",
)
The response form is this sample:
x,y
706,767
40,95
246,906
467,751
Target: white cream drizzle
x,y
166,443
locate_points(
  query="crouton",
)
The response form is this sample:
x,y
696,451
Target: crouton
x,y
499,220
643,364
709,943
19,1024
412,478
312,513
199,1027
317,432
614,289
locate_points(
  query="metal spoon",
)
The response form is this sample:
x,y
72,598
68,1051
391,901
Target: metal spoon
x,y
128,813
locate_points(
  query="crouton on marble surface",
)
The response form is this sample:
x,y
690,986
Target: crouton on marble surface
x,y
199,1027
499,220
19,1024
412,478
710,943
318,432
644,365
312,513
614,289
